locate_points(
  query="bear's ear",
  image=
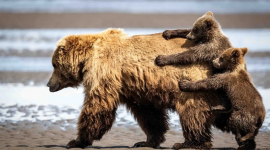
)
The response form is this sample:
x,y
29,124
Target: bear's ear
x,y
209,23
244,50
235,53
210,14
61,42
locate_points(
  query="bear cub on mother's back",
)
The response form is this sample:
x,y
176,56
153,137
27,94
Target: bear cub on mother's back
x,y
248,112
208,36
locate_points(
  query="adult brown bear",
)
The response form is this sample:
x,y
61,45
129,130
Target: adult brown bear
x,y
116,69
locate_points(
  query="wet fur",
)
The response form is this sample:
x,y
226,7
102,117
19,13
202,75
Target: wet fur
x,y
247,113
116,69
208,36
209,43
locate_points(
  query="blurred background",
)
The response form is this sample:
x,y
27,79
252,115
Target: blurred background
x,y
29,30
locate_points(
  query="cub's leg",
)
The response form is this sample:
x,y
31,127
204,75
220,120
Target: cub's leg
x,y
250,135
153,121
94,121
169,34
247,141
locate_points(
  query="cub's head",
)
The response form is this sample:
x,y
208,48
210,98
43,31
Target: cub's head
x,y
204,28
231,58
68,62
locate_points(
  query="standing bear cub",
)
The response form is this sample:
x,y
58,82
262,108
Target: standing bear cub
x,y
248,112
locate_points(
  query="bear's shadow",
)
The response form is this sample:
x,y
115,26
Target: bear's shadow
x,y
113,147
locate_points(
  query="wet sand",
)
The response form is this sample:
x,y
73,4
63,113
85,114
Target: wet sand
x,y
45,134
125,20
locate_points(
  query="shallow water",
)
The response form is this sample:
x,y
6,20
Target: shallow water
x,y
257,40
35,103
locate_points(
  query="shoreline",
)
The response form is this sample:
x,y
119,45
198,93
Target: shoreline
x,y
125,20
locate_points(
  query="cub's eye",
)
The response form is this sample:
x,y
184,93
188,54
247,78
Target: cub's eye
x,y
62,75
195,30
221,59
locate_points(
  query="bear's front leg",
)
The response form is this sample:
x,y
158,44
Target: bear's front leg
x,y
94,121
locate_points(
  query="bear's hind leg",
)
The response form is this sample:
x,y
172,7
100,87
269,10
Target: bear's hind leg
x,y
196,126
247,141
93,123
153,122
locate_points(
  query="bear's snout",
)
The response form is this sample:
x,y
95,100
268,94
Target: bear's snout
x,y
53,87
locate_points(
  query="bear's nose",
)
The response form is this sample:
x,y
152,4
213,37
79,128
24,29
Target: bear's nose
x,y
48,84
188,37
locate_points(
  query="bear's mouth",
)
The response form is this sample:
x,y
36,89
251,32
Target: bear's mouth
x,y
55,88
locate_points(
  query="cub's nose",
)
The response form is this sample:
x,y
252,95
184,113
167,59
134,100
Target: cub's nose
x,y
48,84
188,37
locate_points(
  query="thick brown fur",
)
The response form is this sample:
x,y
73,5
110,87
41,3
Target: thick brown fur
x,y
210,42
116,69
208,36
247,113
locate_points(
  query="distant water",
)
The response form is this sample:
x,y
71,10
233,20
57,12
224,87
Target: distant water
x,y
45,39
136,6
257,40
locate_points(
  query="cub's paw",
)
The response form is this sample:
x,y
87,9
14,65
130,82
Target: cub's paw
x,y
161,61
75,144
167,34
184,85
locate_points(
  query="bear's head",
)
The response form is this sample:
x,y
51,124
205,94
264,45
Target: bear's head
x,y
73,57
230,59
68,62
204,29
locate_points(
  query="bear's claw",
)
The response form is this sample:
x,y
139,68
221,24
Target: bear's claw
x,y
144,144
75,144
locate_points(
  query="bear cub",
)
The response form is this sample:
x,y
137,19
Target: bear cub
x,y
247,112
209,40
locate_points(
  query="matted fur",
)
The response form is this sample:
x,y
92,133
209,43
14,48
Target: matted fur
x,y
115,69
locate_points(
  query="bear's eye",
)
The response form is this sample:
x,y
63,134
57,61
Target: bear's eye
x,y
61,48
54,66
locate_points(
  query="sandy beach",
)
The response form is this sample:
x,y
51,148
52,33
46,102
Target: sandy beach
x,y
41,135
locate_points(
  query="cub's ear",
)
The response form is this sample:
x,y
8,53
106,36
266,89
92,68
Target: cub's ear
x,y
244,50
209,23
235,53
210,14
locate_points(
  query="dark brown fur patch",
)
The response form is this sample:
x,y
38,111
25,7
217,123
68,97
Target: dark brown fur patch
x,y
247,112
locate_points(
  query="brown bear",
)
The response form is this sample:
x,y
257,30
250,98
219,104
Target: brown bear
x,y
208,36
116,69
247,112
